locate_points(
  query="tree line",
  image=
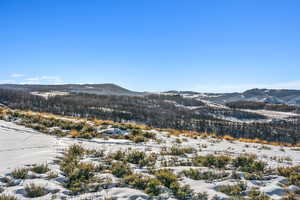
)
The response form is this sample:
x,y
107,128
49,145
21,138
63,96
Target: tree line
x,y
156,111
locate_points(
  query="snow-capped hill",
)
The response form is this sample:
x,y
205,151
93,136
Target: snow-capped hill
x,y
273,96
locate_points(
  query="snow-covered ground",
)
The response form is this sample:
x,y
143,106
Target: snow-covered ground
x,y
50,94
273,114
20,146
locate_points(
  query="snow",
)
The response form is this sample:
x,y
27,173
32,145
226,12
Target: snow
x,y
201,186
20,146
112,131
49,94
273,114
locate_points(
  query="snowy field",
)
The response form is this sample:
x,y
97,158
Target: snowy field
x,y
22,147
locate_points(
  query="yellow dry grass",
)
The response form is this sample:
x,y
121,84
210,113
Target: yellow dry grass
x,y
74,133
174,132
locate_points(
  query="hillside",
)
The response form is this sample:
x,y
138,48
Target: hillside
x,y
255,95
167,111
74,158
99,89
271,96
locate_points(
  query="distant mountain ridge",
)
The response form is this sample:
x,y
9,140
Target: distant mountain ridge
x,y
273,96
99,89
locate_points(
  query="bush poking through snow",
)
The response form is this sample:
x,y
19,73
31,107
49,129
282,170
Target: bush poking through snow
x,y
139,181
212,161
207,175
79,174
138,136
68,163
182,192
140,158
80,177
166,177
153,187
7,197
233,190
149,135
95,153
139,132
294,179
118,155
120,169
201,196
139,139
288,171
263,147
254,176
40,169
33,190
52,175
169,180
135,157
255,194
177,151
76,150
20,173
247,163
71,159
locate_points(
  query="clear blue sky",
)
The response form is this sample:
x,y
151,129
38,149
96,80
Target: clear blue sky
x,y
153,45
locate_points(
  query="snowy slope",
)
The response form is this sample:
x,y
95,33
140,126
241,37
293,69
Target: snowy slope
x,y
20,146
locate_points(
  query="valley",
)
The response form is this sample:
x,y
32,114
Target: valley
x,y
61,144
